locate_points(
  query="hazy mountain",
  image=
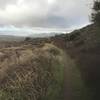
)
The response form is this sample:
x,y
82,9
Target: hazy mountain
x,y
20,38
11,38
44,34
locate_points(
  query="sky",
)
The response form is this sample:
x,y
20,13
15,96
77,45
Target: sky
x,y
25,17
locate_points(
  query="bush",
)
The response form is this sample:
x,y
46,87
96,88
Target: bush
x,y
73,36
27,39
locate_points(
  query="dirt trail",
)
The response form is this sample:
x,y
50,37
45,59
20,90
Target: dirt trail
x,y
67,85
73,83
74,87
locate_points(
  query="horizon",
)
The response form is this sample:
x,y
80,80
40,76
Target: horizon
x,y
21,32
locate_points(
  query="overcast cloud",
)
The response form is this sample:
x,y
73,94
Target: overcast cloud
x,y
49,15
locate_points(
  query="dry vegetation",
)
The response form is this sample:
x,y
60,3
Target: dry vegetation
x,y
31,73
84,48
35,69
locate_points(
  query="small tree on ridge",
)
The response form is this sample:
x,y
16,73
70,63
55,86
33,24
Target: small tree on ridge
x,y
96,12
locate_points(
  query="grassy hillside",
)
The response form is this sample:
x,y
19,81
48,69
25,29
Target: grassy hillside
x,y
84,47
31,73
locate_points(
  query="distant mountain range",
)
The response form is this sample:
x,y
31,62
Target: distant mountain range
x,y
44,35
11,38
21,38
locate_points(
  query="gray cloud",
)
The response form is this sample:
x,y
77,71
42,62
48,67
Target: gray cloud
x,y
4,3
45,13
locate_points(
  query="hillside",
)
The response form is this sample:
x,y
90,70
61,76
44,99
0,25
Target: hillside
x,y
84,48
65,66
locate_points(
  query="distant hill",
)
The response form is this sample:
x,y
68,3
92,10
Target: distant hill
x,y
21,38
44,35
11,38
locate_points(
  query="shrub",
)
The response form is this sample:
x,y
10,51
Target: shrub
x,y
27,39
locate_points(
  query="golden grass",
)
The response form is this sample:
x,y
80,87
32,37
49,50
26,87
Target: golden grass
x,y
29,73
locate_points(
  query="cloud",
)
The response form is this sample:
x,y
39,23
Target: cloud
x,y
44,13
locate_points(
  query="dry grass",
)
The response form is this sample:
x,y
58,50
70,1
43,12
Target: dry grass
x,y
28,73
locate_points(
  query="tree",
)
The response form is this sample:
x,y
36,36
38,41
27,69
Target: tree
x,y
96,12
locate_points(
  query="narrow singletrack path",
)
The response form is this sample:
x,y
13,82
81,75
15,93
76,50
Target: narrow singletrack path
x,y
74,88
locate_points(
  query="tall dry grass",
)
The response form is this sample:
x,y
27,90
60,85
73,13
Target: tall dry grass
x,y
32,79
